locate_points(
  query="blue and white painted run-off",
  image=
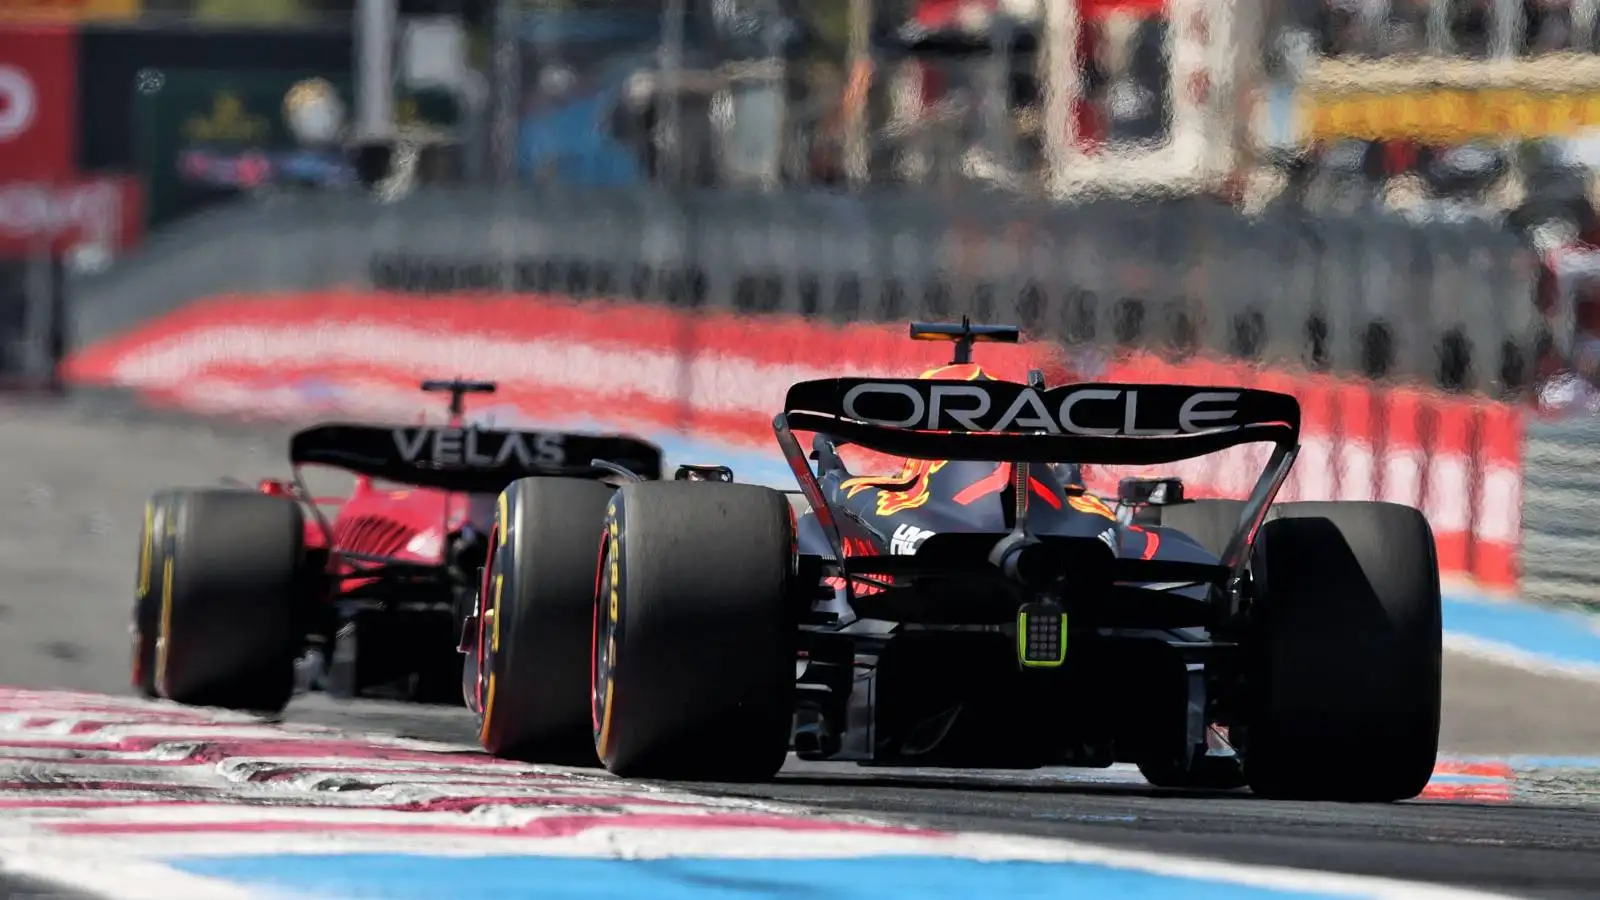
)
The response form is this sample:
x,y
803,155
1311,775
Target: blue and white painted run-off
x,y
1563,641
397,877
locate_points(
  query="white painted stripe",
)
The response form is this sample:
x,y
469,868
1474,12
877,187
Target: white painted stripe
x,y
1500,509
312,816
1402,478
1449,493
1517,658
43,858
120,878
119,867
1357,471
714,382
1314,467
58,732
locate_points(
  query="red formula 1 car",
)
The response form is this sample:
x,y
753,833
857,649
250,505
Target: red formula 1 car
x,y
243,594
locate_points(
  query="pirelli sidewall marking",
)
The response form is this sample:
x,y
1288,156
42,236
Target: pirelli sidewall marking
x,y
503,525
147,549
166,521
163,637
606,693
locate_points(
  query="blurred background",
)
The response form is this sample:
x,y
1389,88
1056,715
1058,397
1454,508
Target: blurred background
x,y
249,207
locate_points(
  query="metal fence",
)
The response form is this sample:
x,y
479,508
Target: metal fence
x,y
1449,304
1561,512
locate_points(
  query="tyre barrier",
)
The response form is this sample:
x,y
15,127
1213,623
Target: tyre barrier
x,y
719,377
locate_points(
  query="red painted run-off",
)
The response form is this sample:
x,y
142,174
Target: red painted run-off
x,y
1471,782
140,776
721,377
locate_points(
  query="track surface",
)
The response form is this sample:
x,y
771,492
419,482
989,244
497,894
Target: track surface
x,y
74,479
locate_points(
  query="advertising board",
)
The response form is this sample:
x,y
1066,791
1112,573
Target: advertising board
x,y
38,101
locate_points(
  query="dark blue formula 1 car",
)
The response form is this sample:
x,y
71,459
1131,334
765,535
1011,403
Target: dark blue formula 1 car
x,y
982,609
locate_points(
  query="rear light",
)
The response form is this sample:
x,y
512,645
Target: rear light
x,y
273,488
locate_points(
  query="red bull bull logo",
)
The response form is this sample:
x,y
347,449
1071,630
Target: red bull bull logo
x,y
1090,504
913,478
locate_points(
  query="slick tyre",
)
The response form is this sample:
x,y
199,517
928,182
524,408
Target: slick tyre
x,y
1209,523
1342,662
538,609
147,592
694,648
231,585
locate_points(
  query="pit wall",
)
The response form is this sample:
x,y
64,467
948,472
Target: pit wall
x,y
699,380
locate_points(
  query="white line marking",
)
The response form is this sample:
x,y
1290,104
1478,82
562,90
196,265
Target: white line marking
x,y
113,871
1517,658
122,879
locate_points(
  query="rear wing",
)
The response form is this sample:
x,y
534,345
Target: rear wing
x,y
1106,424
1000,421
461,458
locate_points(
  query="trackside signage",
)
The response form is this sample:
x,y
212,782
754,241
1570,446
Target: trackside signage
x,y
102,212
38,101
999,407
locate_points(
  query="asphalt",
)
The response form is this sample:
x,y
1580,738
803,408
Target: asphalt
x,y
74,477
31,889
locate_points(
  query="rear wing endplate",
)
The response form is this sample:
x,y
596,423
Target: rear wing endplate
x,y
1098,423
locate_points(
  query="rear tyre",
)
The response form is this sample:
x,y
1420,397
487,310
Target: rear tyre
x,y
694,646
230,587
1210,523
147,592
1343,662
538,607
